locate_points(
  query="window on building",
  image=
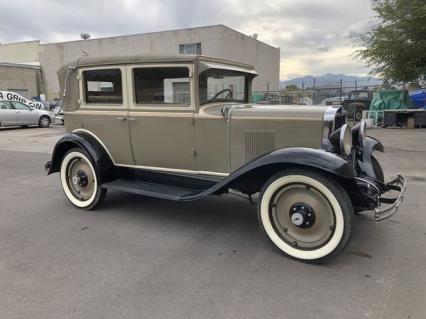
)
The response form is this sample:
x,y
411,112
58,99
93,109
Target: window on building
x,y
190,48
168,85
103,86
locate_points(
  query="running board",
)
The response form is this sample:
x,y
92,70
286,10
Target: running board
x,y
154,190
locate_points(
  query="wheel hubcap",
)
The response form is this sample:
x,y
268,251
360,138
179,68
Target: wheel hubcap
x,y
81,180
302,216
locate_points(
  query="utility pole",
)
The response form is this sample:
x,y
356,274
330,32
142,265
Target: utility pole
x,y
313,91
303,90
341,88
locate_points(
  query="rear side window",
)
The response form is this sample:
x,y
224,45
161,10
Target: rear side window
x,y
103,86
162,86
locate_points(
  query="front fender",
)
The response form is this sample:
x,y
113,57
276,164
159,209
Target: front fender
x,y
266,165
364,162
314,158
101,159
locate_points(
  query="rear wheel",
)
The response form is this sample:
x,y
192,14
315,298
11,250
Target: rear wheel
x,y
306,214
80,180
44,121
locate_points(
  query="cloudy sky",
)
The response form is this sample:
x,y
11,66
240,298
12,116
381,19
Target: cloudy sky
x,y
315,36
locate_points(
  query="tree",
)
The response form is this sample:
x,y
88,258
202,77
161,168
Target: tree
x,y
291,87
396,45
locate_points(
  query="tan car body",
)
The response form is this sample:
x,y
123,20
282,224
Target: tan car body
x,y
311,170
195,139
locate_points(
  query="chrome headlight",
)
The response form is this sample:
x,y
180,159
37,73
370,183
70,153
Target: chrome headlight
x,y
359,133
341,140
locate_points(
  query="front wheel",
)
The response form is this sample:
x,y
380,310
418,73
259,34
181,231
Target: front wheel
x,y
80,180
306,214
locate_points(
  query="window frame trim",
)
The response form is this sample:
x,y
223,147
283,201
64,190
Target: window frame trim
x,y
98,106
158,107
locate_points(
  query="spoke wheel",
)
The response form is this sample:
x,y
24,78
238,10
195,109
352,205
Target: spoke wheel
x,y
307,215
80,181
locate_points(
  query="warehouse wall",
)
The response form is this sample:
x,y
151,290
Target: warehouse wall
x,y
218,41
24,80
22,52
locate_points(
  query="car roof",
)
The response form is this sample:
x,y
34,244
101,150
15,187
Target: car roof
x,y
151,58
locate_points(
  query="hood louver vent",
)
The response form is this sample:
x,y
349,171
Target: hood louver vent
x,y
258,142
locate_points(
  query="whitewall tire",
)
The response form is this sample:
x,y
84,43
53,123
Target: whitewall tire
x,y
80,180
306,214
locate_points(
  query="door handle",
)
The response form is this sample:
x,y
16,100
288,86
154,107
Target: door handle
x,y
130,119
121,118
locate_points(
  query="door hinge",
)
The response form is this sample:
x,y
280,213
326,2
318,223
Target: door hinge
x,y
194,152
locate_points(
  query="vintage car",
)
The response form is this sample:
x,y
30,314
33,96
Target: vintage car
x,y
182,127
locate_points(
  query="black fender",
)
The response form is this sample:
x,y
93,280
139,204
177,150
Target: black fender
x,y
364,161
103,162
266,165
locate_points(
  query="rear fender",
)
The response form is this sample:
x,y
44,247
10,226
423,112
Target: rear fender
x,y
101,159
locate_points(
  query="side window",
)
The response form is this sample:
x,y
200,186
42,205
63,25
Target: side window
x,y
103,86
4,105
163,86
20,106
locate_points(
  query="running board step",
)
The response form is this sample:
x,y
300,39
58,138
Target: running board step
x,y
153,190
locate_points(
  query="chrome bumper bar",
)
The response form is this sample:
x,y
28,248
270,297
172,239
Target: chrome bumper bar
x,y
398,184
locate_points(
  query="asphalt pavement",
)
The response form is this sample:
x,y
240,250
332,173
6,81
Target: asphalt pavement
x,y
140,257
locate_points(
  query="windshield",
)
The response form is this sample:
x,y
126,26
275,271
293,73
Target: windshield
x,y
223,86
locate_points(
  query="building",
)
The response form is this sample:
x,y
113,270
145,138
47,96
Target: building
x,y
24,79
217,41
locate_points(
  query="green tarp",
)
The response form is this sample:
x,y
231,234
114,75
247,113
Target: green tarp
x,y
390,100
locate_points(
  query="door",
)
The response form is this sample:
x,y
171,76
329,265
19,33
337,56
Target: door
x,y
161,116
103,111
7,114
24,114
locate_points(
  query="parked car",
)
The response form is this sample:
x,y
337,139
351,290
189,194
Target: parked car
x,y
181,128
357,102
13,113
13,96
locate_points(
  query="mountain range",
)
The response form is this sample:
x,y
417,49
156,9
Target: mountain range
x,y
331,80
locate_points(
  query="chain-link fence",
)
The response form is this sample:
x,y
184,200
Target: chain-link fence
x,y
355,97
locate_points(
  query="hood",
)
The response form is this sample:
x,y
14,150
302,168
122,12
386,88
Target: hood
x,y
280,111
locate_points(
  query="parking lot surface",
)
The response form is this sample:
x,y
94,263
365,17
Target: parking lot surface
x,y
139,257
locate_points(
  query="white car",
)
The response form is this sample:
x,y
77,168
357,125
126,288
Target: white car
x,y
14,113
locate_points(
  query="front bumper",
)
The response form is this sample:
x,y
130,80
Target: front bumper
x,y
399,184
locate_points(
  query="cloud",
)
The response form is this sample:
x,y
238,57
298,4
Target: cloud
x,y
310,33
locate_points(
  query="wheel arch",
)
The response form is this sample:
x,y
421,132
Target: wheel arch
x,y
251,177
102,160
